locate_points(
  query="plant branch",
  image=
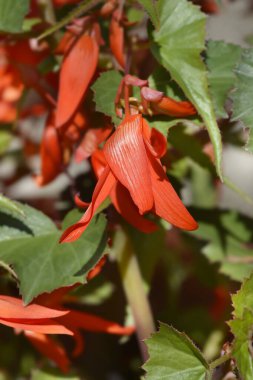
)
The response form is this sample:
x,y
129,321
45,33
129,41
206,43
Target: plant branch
x,y
134,289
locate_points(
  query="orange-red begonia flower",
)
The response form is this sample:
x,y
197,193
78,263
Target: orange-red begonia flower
x,y
47,316
132,159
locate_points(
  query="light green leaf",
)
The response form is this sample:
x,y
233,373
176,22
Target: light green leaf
x,y
241,327
174,357
9,205
151,8
12,14
242,97
30,244
228,235
242,330
5,139
51,375
222,59
105,90
180,40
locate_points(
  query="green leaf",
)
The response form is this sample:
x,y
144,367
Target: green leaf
x,y
229,236
242,97
174,357
12,14
9,205
30,244
51,375
222,59
5,139
241,327
242,330
151,8
180,39
105,90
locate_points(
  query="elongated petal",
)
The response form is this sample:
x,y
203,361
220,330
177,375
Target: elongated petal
x,y
156,140
49,348
167,204
126,155
116,38
77,70
92,138
13,308
123,203
90,322
50,154
171,107
97,269
98,162
102,190
45,326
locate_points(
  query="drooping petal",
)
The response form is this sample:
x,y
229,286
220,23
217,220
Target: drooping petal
x,y
90,322
97,269
116,38
50,154
49,348
171,107
123,203
98,162
92,138
167,203
156,140
43,326
126,155
102,190
13,308
77,70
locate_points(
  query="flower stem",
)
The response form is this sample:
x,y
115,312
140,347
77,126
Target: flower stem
x,y
134,289
219,361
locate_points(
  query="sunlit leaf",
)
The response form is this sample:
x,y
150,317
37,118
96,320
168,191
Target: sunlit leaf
x,y
174,357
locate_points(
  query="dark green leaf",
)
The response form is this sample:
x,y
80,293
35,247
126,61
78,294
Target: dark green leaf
x,y
51,375
105,90
222,59
12,14
30,244
174,357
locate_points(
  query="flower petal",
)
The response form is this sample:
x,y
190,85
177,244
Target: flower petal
x,y
13,308
90,322
77,70
50,154
123,203
116,37
49,348
167,203
171,107
45,326
126,155
102,190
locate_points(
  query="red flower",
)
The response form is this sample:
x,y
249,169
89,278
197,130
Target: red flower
x,y
37,321
116,38
132,159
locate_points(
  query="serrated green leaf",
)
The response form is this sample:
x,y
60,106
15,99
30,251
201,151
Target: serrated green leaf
x,y
242,330
180,39
242,97
12,14
30,244
222,59
174,357
105,90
